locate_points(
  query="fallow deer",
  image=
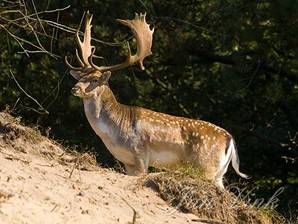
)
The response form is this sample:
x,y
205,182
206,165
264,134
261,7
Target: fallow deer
x,y
140,137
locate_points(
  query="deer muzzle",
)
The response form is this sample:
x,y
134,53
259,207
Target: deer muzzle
x,y
76,90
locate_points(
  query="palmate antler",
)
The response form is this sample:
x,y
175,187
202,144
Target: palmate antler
x,y
141,31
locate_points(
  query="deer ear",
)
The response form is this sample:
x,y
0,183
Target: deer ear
x,y
106,76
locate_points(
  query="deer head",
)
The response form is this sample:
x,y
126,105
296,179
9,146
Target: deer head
x,y
90,76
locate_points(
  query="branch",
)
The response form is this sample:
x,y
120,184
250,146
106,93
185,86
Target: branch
x,y
230,60
40,106
17,17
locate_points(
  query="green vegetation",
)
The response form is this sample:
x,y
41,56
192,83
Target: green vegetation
x,y
233,63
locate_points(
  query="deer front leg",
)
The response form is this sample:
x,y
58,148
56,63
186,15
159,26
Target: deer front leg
x,y
137,169
130,170
141,164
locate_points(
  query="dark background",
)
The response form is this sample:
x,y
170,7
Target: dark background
x,y
233,63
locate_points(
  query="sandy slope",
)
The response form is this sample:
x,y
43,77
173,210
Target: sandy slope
x,y
37,185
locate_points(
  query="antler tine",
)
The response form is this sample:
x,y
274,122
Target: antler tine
x,y
70,66
90,60
85,45
143,34
79,58
141,31
85,48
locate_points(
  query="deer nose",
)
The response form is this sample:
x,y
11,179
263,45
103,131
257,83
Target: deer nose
x,y
75,89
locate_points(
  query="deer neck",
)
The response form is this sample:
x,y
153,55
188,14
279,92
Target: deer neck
x,y
106,115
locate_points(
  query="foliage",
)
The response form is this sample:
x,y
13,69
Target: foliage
x,y
233,63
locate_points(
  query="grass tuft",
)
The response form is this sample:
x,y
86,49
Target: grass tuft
x,y
186,191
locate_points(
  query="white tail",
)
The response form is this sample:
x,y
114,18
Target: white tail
x,y
235,160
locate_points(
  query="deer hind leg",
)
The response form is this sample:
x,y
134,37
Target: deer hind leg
x,y
215,177
219,183
223,167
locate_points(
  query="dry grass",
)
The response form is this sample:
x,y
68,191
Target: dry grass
x,y
191,194
11,129
24,139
